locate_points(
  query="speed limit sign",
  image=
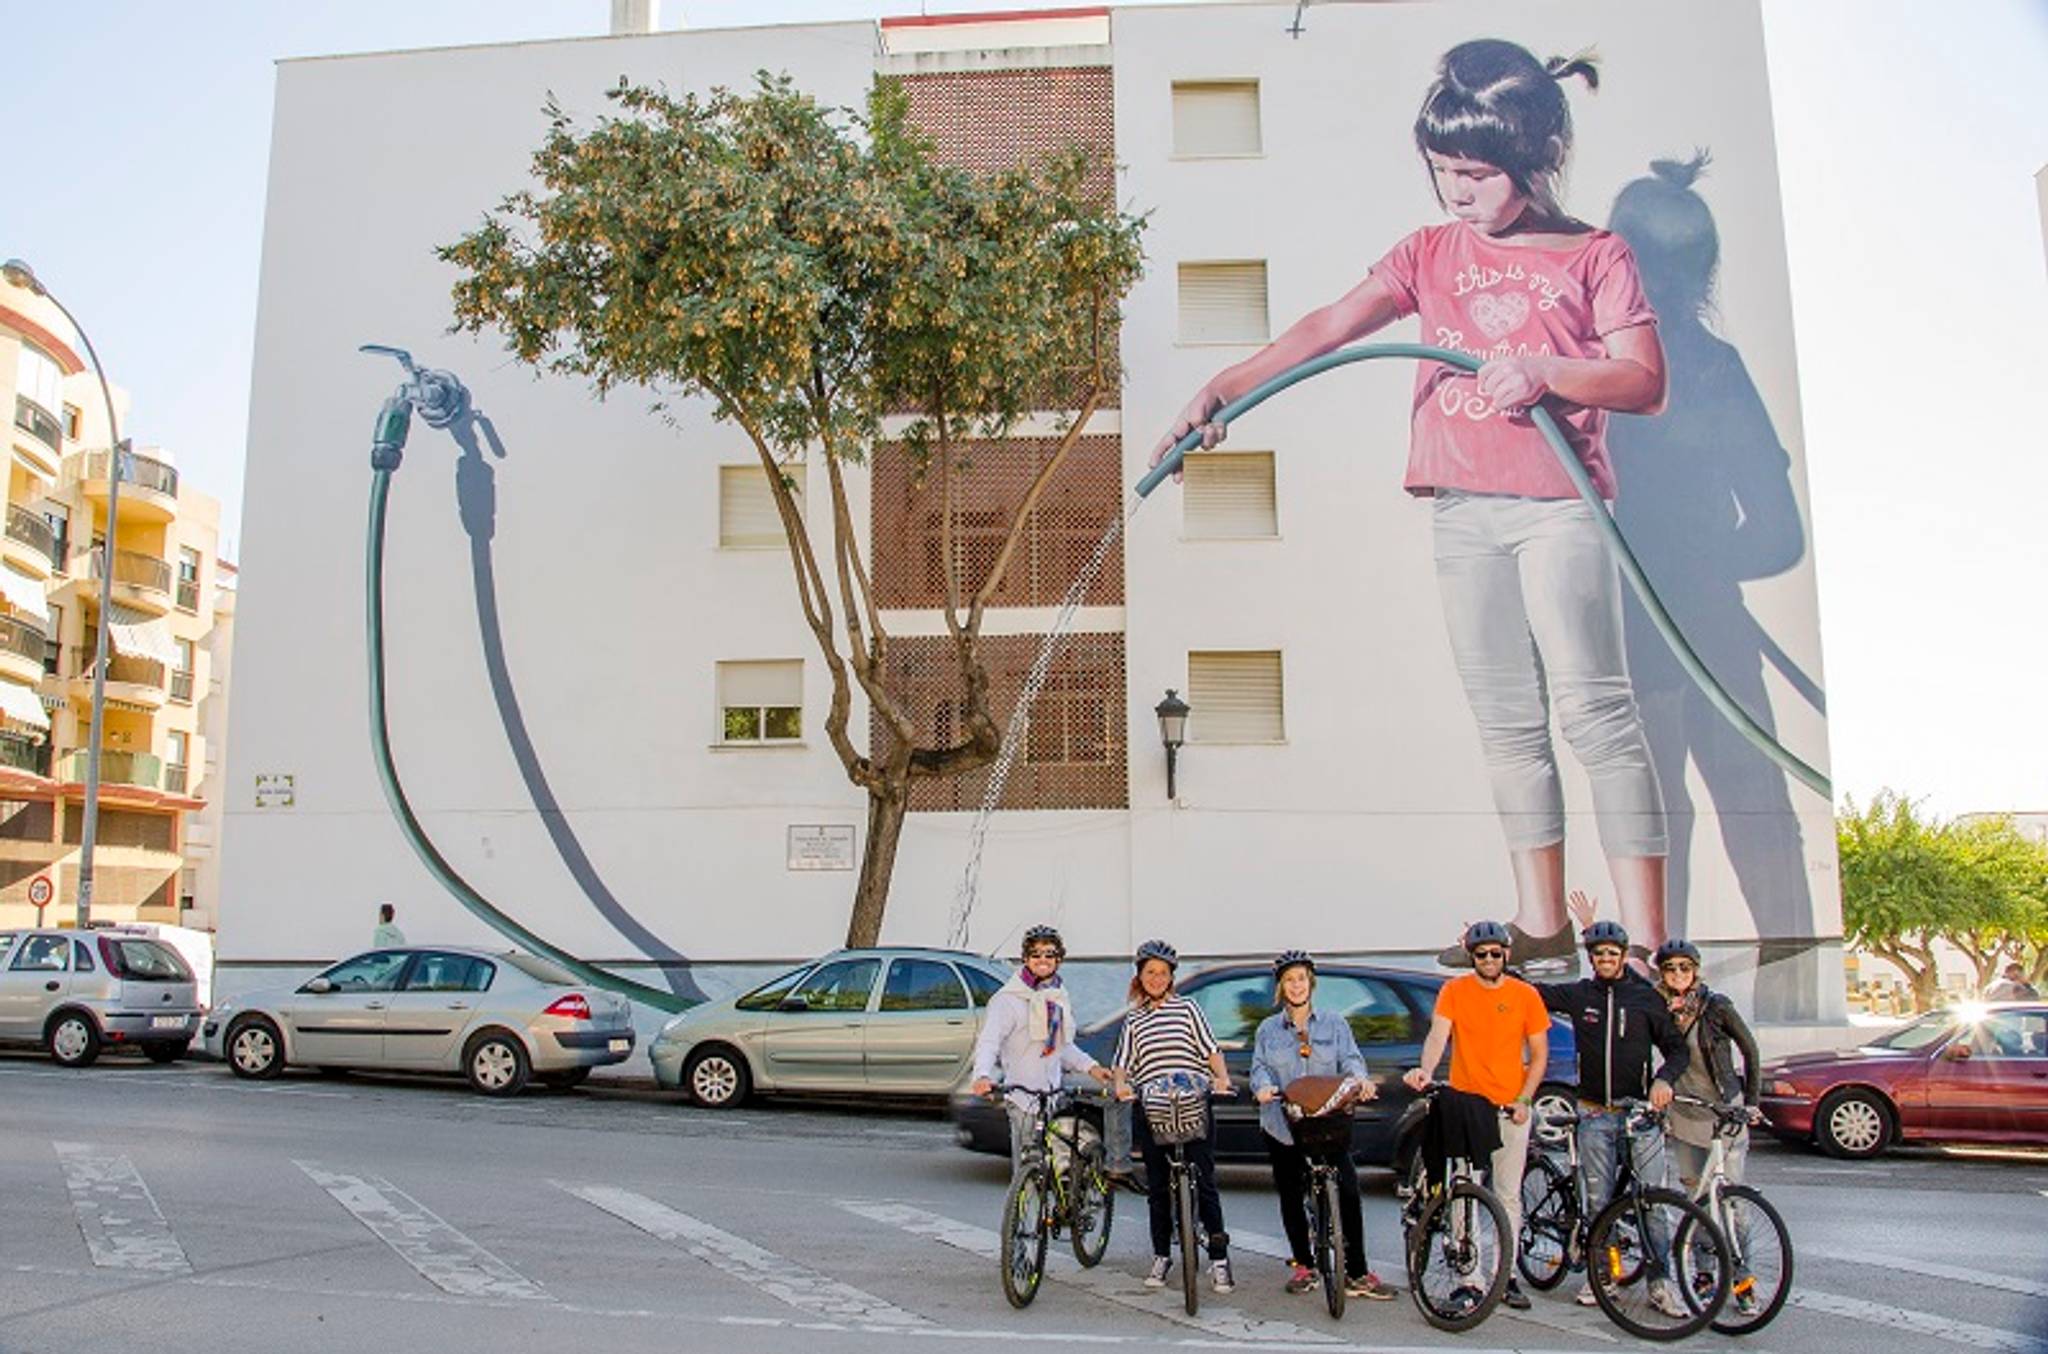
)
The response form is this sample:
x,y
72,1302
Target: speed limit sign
x,y
40,891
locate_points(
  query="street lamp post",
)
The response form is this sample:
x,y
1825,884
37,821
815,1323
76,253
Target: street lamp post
x,y
21,275
1173,731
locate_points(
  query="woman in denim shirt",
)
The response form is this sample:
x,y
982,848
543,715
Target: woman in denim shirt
x,y
1300,1041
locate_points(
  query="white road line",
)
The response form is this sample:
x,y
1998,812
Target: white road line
x,y
442,1255
805,1289
1932,1269
184,1083
1227,1323
117,1215
1918,1323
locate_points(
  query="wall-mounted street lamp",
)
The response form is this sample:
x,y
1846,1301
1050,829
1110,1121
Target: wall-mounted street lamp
x,y
21,275
1173,731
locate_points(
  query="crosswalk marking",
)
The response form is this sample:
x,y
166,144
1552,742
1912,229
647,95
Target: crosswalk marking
x,y
1918,1323
442,1255
785,1280
1930,1268
1224,1322
118,1217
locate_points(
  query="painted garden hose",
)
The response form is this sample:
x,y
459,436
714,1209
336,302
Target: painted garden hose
x,y
1610,531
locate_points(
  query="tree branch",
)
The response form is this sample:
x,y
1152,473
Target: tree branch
x,y
1030,503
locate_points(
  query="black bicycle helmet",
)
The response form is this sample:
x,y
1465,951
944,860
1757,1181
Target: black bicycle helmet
x,y
1156,949
1044,935
1291,959
1604,933
1486,933
1678,949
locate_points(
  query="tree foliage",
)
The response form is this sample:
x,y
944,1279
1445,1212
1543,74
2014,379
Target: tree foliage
x,y
811,272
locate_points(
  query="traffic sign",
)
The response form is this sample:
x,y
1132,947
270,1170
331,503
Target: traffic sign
x,y
41,890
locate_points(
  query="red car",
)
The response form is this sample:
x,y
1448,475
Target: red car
x,y
1976,1073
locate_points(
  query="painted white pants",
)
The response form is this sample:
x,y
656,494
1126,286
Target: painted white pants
x,y
1532,603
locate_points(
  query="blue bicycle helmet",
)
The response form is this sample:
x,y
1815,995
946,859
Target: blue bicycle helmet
x,y
1604,933
1044,935
1157,949
1486,933
1678,949
1292,959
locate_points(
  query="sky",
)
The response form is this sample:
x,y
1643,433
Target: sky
x,y
1909,137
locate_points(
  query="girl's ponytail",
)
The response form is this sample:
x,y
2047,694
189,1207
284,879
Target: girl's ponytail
x,y
1585,65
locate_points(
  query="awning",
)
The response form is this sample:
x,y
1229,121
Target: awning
x,y
25,595
22,706
141,635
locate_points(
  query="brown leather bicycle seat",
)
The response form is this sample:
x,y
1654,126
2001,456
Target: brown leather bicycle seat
x,y
1319,1095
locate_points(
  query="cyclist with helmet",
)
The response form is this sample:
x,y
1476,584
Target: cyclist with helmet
x,y
1028,1031
1299,1041
1621,1023
1499,1035
1165,1033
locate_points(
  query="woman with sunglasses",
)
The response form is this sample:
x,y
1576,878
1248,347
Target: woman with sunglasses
x,y
1713,1032
1299,1041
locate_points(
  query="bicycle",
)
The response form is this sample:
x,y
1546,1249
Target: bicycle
x,y
1319,1134
1059,1186
1456,1235
1760,1249
1627,1248
1177,1112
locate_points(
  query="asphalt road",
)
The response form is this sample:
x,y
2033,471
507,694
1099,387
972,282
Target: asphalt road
x,y
177,1208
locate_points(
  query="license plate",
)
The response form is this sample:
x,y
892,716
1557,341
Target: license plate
x,y
619,1045
167,1022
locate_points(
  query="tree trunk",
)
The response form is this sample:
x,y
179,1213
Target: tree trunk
x,y
887,805
1926,986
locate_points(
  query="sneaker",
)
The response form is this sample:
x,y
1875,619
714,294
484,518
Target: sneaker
x,y
1515,1298
1303,1280
1586,1298
1664,1298
1156,1276
1368,1286
1745,1302
1465,1298
1558,949
1220,1278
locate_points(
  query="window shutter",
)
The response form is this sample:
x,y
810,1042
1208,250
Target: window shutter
x,y
1229,495
1223,302
1216,117
1235,697
778,683
747,519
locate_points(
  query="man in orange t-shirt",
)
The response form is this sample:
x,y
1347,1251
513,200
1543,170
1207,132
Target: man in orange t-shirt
x,y
1499,1033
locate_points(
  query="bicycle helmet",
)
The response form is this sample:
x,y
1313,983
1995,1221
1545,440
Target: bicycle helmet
x,y
1157,949
1604,933
1294,958
1678,949
1044,935
1486,933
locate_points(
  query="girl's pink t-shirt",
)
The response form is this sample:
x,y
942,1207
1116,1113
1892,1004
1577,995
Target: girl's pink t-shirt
x,y
1493,300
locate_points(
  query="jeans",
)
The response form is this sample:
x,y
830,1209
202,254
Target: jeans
x,y
1532,605
1290,1179
1201,1159
1691,1163
1601,1133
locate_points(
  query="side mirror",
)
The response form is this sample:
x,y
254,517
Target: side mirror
x,y
318,985
794,1004
1958,1052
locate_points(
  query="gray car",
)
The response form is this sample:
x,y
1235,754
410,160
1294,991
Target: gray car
x,y
78,992
883,1021
497,1018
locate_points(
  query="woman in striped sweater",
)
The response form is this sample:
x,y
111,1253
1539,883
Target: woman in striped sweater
x,y
1165,1033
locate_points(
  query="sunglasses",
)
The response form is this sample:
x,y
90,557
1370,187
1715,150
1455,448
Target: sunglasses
x,y
1678,966
1041,954
1490,952
1607,952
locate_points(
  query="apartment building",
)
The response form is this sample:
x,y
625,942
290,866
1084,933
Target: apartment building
x,y
163,563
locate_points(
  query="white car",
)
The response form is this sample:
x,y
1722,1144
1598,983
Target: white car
x,y
498,1019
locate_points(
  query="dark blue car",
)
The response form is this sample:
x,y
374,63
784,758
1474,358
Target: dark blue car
x,y
1389,1010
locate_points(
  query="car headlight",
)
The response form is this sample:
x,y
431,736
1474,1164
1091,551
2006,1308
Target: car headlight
x,y
1782,1088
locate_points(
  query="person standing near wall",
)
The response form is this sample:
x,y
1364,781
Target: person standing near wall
x,y
387,933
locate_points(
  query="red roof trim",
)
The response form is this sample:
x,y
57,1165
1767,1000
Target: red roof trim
x,y
995,16
44,339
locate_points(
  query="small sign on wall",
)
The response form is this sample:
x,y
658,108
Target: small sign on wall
x,y
274,790
827,846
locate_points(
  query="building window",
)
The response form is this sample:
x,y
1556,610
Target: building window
x,y
1236,697
747,516
761,702
188,582
1223,302
1228,496
54,645
59,518
1216,117
38,377
74,422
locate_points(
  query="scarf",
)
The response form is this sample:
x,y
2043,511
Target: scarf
x,y
1048,1005
1686,1009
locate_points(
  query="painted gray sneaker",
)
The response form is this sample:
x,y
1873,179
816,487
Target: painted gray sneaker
x,y
1557,952
1156,1276
1220,1277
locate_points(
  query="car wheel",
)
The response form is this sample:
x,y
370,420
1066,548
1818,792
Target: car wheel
x,y
496,1065
73,1040
1853,1124
1555,1103
164,1052
565,1081
717,1077
255,1049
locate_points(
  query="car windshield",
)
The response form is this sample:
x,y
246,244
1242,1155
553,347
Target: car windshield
x,y
1927,1029
541,970
769,995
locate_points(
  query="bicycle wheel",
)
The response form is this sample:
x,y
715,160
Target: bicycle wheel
x,y
1190,1264
1647,1283
1760,1251
1024,1236
1550,1215
1329,1240
1091,1206
1458,1257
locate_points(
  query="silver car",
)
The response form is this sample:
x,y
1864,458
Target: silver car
x,y
498,1018
78,992
886,1021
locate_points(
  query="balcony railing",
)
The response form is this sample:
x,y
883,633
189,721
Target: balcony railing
x,y
119,767
32,530
38,423
135,569
17,636
145,472
181,686
174,777
188,594
121,668
24,754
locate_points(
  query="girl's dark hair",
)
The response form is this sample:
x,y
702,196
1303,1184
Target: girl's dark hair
x,y
1672,232
1494,101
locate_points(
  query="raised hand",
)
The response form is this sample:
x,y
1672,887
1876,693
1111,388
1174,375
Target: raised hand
x,y
1584,908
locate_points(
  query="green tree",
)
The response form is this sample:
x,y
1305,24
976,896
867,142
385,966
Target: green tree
x,y
810,271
